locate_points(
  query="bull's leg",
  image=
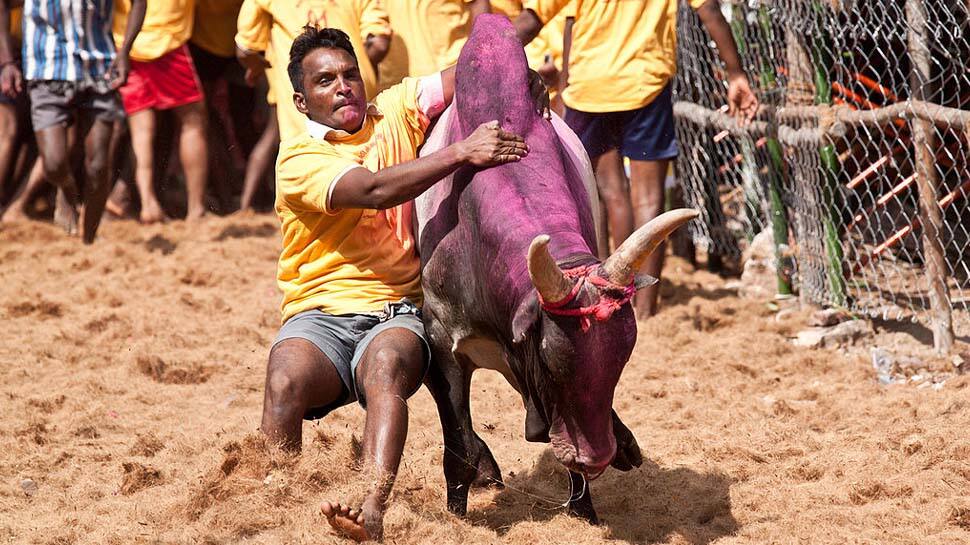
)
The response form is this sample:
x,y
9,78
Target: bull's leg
x,y
628,454
580,499
449,380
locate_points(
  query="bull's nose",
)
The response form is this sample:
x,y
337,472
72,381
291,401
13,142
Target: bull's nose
x,y
592,471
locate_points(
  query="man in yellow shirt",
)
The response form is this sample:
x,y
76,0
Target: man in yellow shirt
x,y
620,61
428,35
348,270
164,78
271,25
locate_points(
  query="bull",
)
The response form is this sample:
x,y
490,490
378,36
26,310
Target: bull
x,y
512,282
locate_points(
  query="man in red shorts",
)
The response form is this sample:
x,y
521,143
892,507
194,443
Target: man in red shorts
x,y
164,78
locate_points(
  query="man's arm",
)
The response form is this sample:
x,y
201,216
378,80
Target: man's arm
x,y
527,26
478,7
11,80
567,45
488,146
121,65
742,102
375,29
252,37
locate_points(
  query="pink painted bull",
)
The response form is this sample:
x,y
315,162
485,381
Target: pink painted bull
x,y
512,282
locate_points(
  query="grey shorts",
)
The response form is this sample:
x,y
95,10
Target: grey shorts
x,y
55,102
344,338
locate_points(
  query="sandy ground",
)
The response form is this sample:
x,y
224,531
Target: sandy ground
x,y
131,384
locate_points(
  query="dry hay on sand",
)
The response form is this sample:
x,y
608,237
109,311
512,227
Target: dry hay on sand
x,y
132,375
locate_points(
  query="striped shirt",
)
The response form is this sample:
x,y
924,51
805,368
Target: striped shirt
x,y
67,40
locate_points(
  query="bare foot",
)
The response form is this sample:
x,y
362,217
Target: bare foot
x,y
365,524
13,214
119,202
195,213
151,213
244,213
65,214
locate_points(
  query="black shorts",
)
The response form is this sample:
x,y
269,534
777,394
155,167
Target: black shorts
x,y
210,66
644,134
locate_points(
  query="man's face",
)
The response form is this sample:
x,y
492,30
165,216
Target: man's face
x,y
333,90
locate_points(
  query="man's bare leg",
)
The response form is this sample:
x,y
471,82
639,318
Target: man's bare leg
x,y
389,371
54,149
97,184
17,210
612,185
194,155
142,127
9,144
298,377
260,160
647,193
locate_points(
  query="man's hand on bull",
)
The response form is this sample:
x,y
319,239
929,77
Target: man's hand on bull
x,y
491,146
540,94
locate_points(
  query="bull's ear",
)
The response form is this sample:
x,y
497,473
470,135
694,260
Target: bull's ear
x,y
525,317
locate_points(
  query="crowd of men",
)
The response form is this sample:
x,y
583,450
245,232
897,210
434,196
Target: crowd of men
x,y
112,103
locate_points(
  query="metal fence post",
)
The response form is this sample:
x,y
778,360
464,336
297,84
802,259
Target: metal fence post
x,y
941,318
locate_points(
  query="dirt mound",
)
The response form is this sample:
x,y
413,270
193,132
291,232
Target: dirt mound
x,y
159,371
138,477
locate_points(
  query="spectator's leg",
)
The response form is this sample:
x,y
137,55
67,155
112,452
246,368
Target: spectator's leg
x,y
261,160
8,146
53,145
17,210
142,127
612,184
193,153
647,193
97,176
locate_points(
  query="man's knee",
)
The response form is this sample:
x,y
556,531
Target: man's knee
x,y
392,371
96,167
284,385
55,165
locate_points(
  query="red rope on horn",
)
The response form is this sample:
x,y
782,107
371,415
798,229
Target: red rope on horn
x,y
603,309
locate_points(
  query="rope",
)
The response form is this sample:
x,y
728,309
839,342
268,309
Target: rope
x,y
602,309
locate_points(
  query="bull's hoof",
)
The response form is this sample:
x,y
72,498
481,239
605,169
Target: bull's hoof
x,y
489,475
581,501
628,455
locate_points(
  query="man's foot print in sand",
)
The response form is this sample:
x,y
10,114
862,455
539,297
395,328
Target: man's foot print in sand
x,y
366,524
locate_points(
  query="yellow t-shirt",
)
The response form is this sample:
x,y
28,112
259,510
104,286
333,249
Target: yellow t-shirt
x,y
215,26
428,36
16,28
167,25
350,260
263,23
508,8
623,52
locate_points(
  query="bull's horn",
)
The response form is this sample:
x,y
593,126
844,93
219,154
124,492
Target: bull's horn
x,y
626,260
546,276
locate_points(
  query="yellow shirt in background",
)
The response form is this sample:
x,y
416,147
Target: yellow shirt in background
x,y
16,28
215,26
508,8
167,25
263,23
352,260
428,36
623,52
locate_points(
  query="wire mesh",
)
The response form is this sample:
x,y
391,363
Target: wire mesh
x,y
875,205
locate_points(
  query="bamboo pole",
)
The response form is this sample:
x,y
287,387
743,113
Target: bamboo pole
x,y
931,217
776,169
831,220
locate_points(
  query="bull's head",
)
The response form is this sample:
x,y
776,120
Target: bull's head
x,y
585,340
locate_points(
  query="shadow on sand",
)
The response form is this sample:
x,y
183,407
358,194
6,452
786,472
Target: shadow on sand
x,y
646,505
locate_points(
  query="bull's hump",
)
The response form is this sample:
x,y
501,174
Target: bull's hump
x,y
492,79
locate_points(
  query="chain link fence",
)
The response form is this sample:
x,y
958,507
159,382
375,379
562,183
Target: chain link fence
x,y
857,163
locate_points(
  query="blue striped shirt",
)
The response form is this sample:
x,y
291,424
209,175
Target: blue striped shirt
x,y
67,40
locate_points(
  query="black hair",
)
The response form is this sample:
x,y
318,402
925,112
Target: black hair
x,y
314,38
